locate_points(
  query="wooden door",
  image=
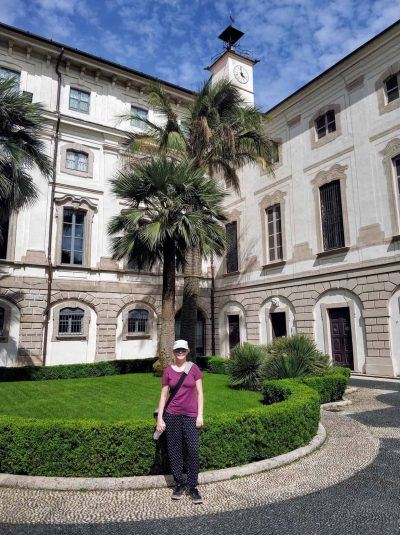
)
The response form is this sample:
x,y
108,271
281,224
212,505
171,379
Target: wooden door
x,y
341,340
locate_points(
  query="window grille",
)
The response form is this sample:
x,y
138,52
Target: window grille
x,y
71,321
392,88
2,316
137,321
138,123
79,100
72,236
325,124
274,224
77,161
232,263
332,216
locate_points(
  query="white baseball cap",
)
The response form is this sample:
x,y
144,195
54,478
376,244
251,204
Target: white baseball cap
x,y
180,344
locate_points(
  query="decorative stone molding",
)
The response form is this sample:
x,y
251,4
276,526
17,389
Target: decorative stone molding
x,y
370,235
336,172
330,136
77,203
56,336
34,256
7,320
383,105
78,148
151,321
278,197
391,151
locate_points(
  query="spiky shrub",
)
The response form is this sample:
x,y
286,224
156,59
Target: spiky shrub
x,y
244,366
293,356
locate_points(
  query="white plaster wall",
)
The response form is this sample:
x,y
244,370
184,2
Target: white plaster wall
x,y
9,349
394,311
72,351
322,334
136,349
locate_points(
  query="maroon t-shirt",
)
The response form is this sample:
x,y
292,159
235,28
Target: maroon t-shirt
x,y
185,401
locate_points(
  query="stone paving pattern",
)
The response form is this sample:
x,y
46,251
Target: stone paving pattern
x,y
350,485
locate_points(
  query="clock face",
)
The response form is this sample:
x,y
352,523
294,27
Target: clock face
x,y
241,74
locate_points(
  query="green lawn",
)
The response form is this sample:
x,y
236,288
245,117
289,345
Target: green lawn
x,y
112,398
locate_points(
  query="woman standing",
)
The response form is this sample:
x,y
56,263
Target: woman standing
x,y
182,421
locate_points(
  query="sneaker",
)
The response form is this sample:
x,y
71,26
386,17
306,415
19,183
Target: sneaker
x,y
194,495
179,491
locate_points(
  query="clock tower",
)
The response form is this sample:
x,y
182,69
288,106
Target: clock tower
x,y
234,64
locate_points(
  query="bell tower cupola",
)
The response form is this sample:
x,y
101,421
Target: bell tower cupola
x,y
234,64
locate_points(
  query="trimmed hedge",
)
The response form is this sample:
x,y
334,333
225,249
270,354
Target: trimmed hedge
x,y
274,392
94,449
76,371
217,365
330,387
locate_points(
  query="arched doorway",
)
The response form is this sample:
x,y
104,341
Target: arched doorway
x,y
200,332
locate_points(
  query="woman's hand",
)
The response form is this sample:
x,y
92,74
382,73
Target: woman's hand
x,y
160,425
199,421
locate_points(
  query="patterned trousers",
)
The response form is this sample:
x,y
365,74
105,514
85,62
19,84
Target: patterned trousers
x,y
180,429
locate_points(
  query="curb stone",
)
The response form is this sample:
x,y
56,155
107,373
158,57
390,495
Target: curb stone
x,y
159,481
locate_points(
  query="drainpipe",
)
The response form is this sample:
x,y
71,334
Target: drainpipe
x,y
51,215
212,295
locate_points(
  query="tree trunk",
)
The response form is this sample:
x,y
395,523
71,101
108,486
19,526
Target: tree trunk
x,y
191,290
167,324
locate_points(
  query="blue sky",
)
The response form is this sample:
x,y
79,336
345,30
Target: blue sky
x,y
175,39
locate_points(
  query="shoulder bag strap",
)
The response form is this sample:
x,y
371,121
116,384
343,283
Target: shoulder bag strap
x,y
173,392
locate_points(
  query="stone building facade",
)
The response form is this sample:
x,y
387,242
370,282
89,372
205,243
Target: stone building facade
x,y
316,242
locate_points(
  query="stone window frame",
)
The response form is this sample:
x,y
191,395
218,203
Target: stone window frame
x,y
279,163
389,153
77,148
11,238
7,321
278,197
330,136
235,215
56,336
75,203
383,105
336,172
137,305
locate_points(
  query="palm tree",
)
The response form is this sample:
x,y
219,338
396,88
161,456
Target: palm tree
x,y
21,125
172,207
221,134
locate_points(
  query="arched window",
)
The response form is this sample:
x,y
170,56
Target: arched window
x,y
2,318
71,321
138,321
77,161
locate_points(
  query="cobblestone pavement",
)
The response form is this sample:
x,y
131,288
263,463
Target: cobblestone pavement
x,y
350,485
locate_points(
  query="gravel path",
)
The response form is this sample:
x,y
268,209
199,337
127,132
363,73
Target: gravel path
x,y
350,485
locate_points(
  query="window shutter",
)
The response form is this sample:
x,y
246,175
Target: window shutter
x,y
332,216
232,263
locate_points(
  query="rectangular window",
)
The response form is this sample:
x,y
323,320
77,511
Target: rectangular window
x,y
8,73
275,152
79,100
392,88
232,263
137,321
274,224
233,331
2,321
4,226
138,123
77,161
72,237
70,321
332,216
325,124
